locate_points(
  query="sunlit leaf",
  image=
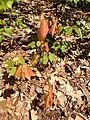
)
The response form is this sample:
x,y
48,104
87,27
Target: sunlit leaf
x,y
63,48
21,60
52,57
78,23
88,36
12,71
32,44
10,63
9,3
8,30
7,34
56,45
61,29
38,43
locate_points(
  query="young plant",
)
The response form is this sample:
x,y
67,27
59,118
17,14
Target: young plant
x,y
5,4
5,32
44,30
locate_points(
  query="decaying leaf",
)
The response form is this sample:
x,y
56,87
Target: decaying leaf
x,y
43,30
24,71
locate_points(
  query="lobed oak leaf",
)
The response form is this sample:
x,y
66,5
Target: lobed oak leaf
x,y
43,30
54,26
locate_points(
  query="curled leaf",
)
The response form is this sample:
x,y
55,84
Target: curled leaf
x,y
43,30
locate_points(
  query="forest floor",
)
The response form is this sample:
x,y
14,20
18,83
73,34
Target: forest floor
x,y
59,90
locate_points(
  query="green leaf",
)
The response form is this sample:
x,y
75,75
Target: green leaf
x,y
78,31
8,30
32,44
52,57
41,60
9,3
88,0
9,64
76,1
88,36
6,34
78,23
0,21
61,29
21,60
16,1
69,31
56,45
45,58
2,29
63,48
1,38
7,13
38,43
12,71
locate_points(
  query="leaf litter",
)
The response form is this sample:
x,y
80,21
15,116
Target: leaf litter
x,y
59,92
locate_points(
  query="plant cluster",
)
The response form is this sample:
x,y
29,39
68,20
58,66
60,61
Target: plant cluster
x,y
46,49
7,4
